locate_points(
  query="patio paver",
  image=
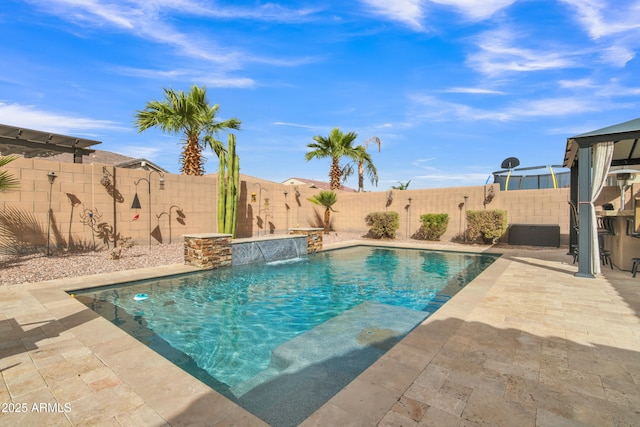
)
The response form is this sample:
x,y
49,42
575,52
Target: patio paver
x,y
525,344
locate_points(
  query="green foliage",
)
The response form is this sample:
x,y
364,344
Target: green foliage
x,y
7,181
383,224
401,186
432,227
228,189
335,146
188,114
486,225
326,199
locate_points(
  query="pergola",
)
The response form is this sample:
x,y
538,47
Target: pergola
x,y
590,155
35,143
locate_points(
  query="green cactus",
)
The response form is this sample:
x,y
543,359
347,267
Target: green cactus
x,y
221,193
228,189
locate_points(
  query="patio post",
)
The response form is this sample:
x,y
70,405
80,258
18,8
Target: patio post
x,y
584,212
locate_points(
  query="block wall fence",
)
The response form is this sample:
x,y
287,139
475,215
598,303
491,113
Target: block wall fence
x,y
87,210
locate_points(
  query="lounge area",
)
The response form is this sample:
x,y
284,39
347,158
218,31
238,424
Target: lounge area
x,y
609,234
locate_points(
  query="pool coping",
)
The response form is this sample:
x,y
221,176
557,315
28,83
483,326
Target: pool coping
x,y
527,343
178,398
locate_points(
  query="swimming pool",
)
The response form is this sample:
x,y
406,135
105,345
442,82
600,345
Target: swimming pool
x,y
288,334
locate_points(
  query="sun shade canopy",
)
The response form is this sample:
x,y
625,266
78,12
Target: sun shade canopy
x,y
35,143
625,136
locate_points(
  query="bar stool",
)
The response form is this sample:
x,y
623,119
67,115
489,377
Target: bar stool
x,y
634,268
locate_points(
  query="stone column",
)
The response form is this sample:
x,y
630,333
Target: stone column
x,y
314,237
207,250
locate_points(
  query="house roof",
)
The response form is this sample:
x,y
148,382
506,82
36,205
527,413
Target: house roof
x,y
312,183
625,135
110,158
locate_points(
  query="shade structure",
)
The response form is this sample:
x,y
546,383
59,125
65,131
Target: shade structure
x,y
578,157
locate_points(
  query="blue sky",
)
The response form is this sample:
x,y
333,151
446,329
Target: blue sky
x,y
451,87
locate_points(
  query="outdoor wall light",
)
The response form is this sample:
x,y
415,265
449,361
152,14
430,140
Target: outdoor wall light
x,y
253,197
51,176
162,182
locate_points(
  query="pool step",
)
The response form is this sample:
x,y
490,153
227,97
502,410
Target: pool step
x,y
308,370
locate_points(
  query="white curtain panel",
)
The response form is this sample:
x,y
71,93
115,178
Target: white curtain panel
x,y
602,155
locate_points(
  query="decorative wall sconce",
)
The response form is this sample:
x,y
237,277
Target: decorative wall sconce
x,y
253,197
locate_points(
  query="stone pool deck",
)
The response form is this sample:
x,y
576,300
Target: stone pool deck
x,y
525,344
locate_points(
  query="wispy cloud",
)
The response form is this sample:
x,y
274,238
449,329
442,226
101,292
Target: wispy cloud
x,y
433,108
295,125
474,90
146,19
605,18
30,117
409,12
497,53
476,9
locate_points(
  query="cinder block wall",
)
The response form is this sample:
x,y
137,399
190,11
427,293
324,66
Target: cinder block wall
x,y
188,205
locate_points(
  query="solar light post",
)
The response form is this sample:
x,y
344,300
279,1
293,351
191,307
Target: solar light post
x,y
51,176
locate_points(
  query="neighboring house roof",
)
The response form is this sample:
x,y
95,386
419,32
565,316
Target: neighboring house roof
x,y
110,158
312,183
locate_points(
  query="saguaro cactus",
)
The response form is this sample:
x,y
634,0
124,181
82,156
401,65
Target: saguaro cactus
x,y
228,189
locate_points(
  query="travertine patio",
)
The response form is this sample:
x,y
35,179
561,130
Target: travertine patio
x,y
525,344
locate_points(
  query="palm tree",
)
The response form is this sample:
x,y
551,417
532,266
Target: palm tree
x,y
336,146
191,115
8,182
401,186
326,199
364,163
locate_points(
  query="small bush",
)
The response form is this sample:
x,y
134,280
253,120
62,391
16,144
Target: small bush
x,y
118,252
383,224
486,225
432,227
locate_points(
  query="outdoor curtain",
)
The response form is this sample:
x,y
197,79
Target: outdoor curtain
x,y
602,155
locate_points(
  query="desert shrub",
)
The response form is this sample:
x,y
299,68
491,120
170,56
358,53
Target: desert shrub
x,y
486,225
432,227
124,244
383,224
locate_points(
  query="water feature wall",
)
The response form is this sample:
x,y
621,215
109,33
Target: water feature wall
x,y
267,250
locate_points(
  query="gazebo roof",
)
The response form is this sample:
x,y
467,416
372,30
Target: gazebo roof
x,y
625,136
35,143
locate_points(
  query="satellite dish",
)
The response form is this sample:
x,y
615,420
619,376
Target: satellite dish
x,y
510,163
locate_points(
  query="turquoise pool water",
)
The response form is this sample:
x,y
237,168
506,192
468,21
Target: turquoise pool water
x,y
240,328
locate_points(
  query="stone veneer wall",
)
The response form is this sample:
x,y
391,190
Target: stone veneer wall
x,y
314,238
207,251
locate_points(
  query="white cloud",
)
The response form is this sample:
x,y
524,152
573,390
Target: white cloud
x,y
602,18
498,54
476,9
474,90
30,117
432,108
617,56
409,12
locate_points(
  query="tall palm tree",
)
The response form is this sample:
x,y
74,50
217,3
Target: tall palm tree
x,y
365,163
8,182
326,199
336,146
191,115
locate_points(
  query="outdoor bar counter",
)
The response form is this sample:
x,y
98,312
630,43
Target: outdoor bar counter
x,y
623,246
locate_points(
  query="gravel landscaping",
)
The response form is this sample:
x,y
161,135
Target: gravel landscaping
x,y
39,267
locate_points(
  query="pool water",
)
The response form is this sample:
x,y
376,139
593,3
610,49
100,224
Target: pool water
x,y
226,326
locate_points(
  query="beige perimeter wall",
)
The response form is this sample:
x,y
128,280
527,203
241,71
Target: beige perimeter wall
x,y
87,211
